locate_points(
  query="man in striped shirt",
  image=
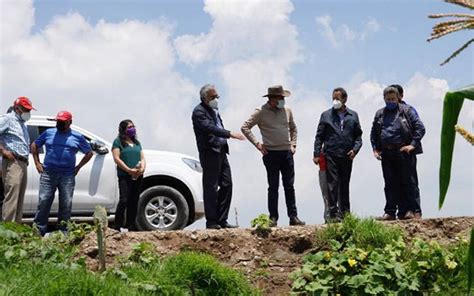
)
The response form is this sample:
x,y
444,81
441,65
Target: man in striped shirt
x,y
15,148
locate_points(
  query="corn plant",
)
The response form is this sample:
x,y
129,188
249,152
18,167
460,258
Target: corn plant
x,y
452,107
459,21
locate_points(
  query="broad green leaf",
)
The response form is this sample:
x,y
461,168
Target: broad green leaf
x,y
452,106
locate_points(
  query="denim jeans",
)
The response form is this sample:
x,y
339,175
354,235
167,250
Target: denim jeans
x,y
49,182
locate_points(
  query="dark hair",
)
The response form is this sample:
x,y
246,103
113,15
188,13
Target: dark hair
x,y
399,88
342,91
123,132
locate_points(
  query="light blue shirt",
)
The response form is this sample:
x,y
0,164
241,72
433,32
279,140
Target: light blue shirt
x,y
14,134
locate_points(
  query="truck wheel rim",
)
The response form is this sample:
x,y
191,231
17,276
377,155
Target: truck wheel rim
x,y
161,212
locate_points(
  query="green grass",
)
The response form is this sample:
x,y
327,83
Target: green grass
x,y
363,233
30,265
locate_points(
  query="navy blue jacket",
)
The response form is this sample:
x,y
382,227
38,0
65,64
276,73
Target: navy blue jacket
x,y
411,128
208,134
337,142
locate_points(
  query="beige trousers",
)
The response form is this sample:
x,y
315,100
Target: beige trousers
x,y
14,175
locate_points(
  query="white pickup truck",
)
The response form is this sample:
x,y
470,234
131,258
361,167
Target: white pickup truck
x,y
171,196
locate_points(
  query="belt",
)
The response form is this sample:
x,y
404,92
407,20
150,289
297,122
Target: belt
x,y
21,158
392,146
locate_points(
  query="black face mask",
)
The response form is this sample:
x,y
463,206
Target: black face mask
x,y
61,125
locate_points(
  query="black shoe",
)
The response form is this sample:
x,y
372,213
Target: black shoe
x,y
227,225
213,226
274,222
295,221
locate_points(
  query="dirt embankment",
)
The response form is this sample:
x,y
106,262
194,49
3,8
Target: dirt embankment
x,y
266,261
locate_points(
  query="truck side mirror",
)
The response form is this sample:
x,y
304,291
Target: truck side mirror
x,y
99,147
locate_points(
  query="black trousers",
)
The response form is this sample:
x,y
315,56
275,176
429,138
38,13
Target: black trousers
x,y
217,186
415,192
397,168
276,162
126,212
338,174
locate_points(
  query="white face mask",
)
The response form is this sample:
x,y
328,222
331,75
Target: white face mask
x,y
25,116
214,104
336,104
281,104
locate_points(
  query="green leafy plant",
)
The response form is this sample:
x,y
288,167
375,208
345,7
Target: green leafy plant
x,y
359,260
262,223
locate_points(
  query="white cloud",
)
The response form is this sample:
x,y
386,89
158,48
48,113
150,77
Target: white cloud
x,y
103,73
339,36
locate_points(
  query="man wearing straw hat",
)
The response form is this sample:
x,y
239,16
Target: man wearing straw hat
x,y
278,129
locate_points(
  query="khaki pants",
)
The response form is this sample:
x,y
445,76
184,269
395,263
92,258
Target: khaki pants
x,y
14,175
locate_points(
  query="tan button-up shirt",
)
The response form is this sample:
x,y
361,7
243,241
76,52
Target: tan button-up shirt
x,y
277,127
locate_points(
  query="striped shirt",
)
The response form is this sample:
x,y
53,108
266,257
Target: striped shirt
x,y
14,134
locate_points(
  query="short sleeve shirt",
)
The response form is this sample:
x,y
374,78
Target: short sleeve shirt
x,y
61,149
130,154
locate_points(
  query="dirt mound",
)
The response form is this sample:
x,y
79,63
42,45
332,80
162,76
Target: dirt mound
x,y
266,261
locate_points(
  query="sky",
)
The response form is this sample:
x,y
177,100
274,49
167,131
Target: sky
x,y
146,60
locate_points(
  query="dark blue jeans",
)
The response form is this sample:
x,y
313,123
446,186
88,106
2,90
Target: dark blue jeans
x,y
49,182
276,162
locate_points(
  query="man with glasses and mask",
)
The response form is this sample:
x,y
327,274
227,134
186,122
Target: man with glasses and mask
x,y
278,129
15,148
211,138
339,136
59,169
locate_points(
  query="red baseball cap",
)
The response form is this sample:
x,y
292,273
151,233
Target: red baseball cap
x,y
24,102
64,116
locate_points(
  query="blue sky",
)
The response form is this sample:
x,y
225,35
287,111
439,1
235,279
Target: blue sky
x,y
146,60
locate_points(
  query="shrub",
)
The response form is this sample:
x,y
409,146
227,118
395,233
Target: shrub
x,y
364,257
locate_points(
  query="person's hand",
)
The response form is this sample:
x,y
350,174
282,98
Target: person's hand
x,y
134,172
39,167
8,155
262,148
316,160
141,171
237,136
293,149
377,155
351,154
407,149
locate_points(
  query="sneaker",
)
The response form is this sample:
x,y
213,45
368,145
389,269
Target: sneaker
x,y
386,217
123,229
274,222
227,225
295,221
418,215
213,226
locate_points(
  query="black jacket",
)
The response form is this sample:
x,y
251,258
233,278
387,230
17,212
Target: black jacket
x,y
207,132
338,143
412,129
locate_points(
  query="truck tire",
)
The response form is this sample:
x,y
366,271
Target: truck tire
x,y
162,208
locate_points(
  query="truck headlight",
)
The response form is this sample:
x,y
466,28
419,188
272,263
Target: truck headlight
x,y
193,164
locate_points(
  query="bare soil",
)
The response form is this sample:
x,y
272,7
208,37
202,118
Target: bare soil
x,y
266,261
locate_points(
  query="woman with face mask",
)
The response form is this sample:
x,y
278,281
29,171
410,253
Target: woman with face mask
x,y
128,155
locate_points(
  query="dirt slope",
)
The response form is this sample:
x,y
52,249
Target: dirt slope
x,y
266,261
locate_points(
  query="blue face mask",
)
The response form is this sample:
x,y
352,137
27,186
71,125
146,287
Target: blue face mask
x,y
391,105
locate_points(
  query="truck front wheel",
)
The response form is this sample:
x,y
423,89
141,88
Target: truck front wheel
x,y
162,208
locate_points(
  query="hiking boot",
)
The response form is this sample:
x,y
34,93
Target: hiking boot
x,y
386,217
274,222
408,216
295,221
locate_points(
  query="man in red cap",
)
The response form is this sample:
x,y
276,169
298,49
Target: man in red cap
x,y
59,169
15,149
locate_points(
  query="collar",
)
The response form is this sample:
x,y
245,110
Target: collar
x,y
347,112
